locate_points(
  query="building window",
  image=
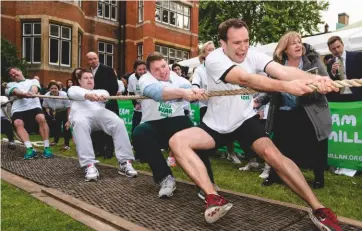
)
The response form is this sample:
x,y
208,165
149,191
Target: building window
x,y
140,52
79,3
107,9
60,45
172,55
140,10
31,42
173,13
79,49
105,53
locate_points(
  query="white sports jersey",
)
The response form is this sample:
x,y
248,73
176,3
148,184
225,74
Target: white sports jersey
x,y
79,103
24,104
134,87
226,113
152,110
199,79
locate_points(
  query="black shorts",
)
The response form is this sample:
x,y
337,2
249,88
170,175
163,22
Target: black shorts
x,y
28,118
246,134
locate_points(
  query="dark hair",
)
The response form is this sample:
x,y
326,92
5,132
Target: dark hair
x,y
51,83
66,82
230,23
137,63
154,56
75,77
12,67
176,65
332,39
82,71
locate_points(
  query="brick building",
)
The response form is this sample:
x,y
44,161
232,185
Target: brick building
x,y
54,36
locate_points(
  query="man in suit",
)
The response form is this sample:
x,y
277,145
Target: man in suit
x,y
104,78
344,65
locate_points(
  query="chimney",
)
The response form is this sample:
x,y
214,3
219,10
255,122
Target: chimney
x,y
343,18
326,27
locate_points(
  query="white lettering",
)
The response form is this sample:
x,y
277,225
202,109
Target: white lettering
x,y
349,119
356,140
335,119
342,137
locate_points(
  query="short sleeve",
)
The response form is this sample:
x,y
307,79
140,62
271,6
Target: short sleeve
x,y
35,82
146,80
130,87
10,87
260,60
196,78
218,65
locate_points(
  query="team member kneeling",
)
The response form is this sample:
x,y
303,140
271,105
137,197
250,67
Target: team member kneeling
x,y
87,114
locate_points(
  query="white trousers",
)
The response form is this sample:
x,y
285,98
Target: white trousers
x,y
84,122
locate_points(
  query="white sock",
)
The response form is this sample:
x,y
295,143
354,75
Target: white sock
x,y
46,143
28,144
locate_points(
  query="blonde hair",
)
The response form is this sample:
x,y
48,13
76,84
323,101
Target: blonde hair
x,y
203,50
279,52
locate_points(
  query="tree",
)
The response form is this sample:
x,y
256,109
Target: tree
x,y
9,58
267,20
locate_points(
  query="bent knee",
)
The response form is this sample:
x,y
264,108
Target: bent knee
x,y
178,140
18,123
40,118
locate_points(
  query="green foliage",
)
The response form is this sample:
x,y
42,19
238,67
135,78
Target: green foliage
x,y
9,57
267,20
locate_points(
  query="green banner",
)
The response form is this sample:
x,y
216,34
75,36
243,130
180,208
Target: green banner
x,y
345,141
126,113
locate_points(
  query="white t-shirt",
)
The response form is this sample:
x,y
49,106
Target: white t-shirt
x,y
80,104
24,104
152,110
56,103
134,87
226,113
199,79
3,99
121,87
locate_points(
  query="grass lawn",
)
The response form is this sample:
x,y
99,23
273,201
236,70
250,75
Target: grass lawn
x,y
341,193
22,212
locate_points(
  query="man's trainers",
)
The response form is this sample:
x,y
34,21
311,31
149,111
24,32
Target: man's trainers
x,y
201,194
266,171
325,219
171,161
30,154
127,169
168,185
92,173
232,156
216,207
11,145
47,153
66,148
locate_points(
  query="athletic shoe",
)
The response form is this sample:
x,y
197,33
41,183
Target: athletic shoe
x,y
47,153
126,169
201,194
53,144
11,145
265,173
171,161
168,185
325,219
216,207
233,158
30,154
250,165
92,173
66,148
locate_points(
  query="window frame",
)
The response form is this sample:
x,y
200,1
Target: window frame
x,y
105,52
140,55
140,10
107,3
162,49
60,40
80,43
32,37
165,5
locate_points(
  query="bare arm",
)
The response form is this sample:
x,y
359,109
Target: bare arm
x,y
173,93
287,73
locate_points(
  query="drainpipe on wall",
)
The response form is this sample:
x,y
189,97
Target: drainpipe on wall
x,y
122,38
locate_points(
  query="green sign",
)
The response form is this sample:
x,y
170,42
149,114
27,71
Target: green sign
x,y
345,141
126,113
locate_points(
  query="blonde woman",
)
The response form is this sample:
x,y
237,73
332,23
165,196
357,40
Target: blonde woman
x,y
301,124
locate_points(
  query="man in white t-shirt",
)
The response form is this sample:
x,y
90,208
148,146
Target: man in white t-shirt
x,y
163,116
87,114
139,68
26,110
232,117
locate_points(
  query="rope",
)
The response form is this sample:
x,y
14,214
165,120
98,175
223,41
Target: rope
x,y
242,91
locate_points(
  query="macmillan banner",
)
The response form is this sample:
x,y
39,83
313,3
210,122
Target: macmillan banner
x,y
345,141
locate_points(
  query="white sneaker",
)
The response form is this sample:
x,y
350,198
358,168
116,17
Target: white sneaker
x,y
265,173
233,158
247,167
126,169
92,173
171,161
168,185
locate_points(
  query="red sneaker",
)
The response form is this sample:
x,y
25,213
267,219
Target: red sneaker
x,y
216,207
325,219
